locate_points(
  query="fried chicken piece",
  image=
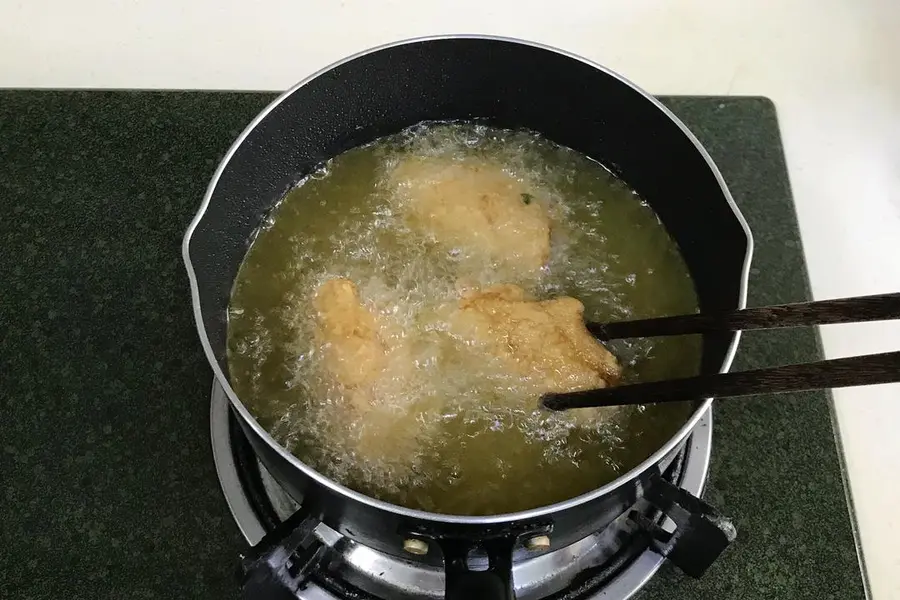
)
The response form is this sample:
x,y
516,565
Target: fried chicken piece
x,y
355,355
477,207
369,374
546,341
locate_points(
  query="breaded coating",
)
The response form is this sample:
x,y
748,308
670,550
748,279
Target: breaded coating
x,y
476,207
546,341
369,375
347,330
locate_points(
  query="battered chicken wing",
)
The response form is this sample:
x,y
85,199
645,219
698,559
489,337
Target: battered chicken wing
x,y
477,207
546,341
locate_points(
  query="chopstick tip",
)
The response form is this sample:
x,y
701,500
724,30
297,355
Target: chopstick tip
x,y
550,401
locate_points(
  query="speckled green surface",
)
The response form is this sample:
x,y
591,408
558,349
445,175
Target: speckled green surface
x,y
108,484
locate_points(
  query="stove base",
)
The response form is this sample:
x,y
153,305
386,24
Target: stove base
x,y
597,567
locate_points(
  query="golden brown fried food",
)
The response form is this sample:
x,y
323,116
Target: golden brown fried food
x,y
546,341
477,207
369,374
355,355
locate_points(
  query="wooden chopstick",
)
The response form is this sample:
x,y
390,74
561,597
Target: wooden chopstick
x,y
879,307
841,372
836,373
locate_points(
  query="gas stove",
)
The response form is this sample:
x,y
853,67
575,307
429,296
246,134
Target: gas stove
x,y
110,492
606,564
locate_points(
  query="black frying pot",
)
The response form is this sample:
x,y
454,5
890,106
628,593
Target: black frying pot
x,y
509,84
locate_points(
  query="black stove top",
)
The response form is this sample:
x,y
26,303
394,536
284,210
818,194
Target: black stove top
x,y
109,488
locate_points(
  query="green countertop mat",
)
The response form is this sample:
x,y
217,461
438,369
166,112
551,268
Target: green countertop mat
x,y
109,488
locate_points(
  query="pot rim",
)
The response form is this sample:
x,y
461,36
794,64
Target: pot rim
x,y
334,486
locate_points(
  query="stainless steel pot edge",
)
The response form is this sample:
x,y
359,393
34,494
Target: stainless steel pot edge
x,y
333,485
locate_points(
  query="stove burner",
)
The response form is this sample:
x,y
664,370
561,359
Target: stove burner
x,y
607,565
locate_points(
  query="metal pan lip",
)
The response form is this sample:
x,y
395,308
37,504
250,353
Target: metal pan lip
x,y
336,487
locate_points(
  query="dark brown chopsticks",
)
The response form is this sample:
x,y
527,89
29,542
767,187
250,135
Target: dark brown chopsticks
x,y
842,372
836,373
879,307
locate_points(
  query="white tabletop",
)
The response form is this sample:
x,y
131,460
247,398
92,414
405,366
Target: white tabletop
x,y
830,66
